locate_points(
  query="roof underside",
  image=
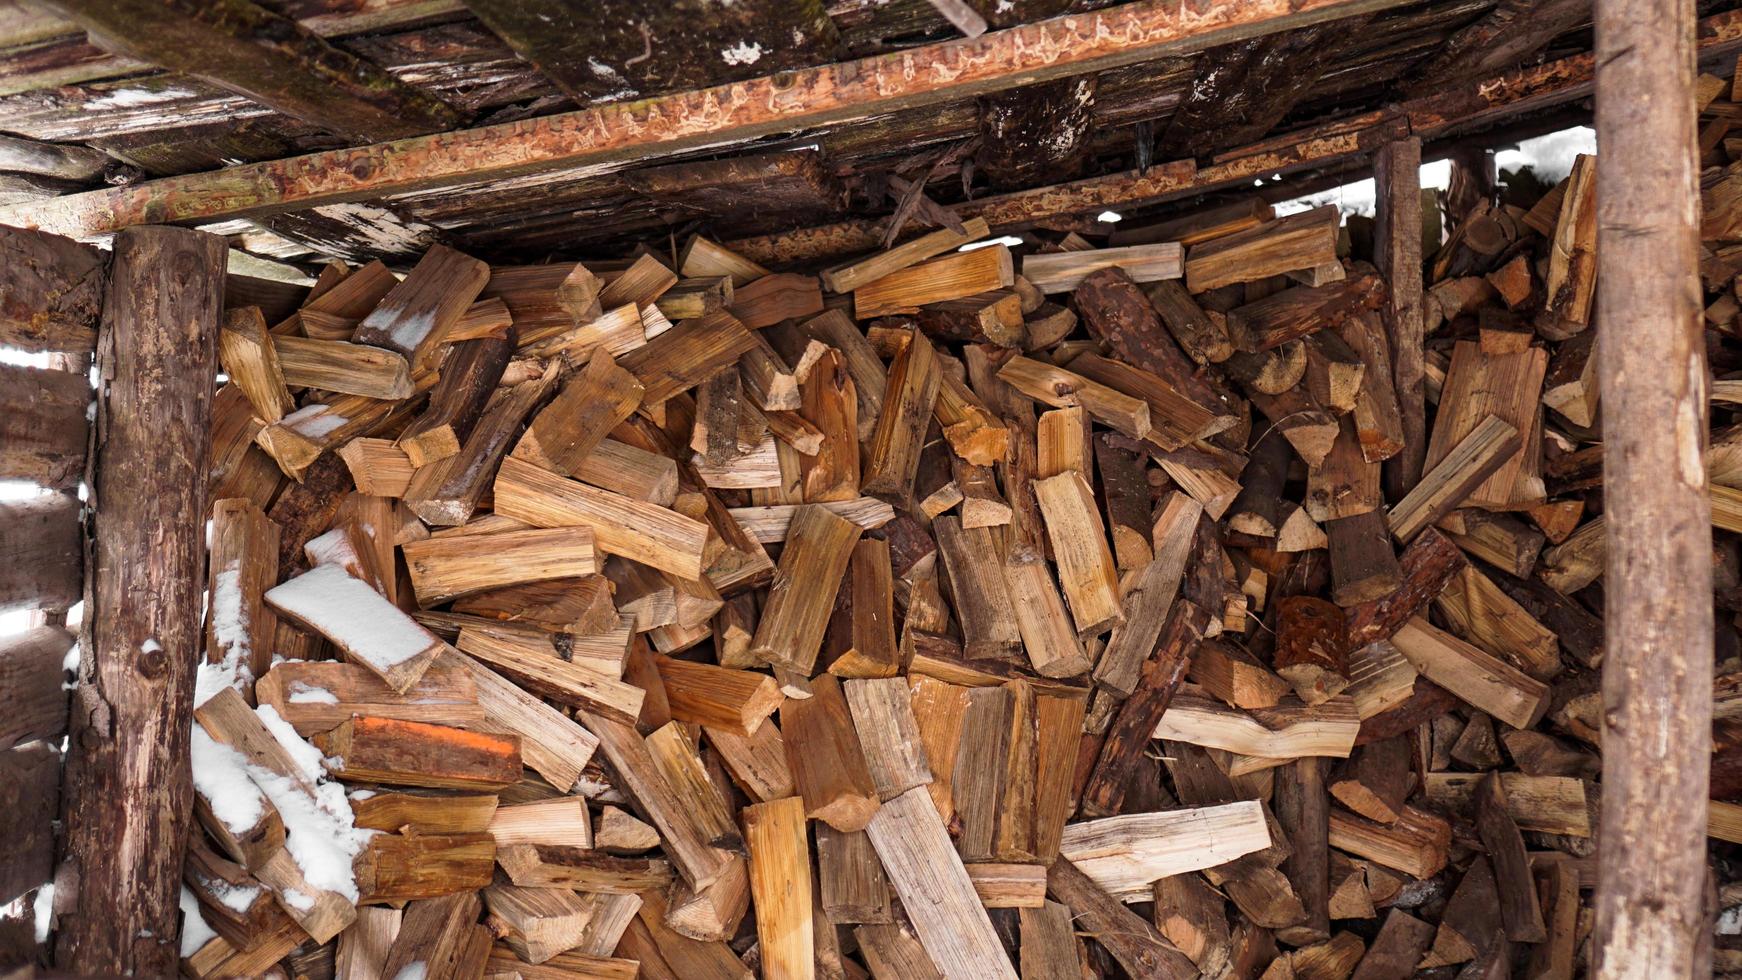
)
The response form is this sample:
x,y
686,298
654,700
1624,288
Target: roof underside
x,y
1310,99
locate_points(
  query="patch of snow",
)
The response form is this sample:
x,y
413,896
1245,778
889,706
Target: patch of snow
x,y
319,831
313,421
606,72
71,660
1730,921
150,645
1009,240
237,898
412,971
377,230
1552,155
195,933
43,910
301,901
230,630
409,330
306,756
229,616
128,98
221,777
304,693
1109,217
362,794
742,53
349,612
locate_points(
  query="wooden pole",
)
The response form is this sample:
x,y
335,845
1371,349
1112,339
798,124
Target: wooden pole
x,y
1657,666
129,796
1397,248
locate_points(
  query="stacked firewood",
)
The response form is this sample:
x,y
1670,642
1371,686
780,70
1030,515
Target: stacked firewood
x,y
1107,609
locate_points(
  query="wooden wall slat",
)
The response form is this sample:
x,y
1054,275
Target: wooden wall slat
x,y
43,424
51,291
33,700
41,555
29,800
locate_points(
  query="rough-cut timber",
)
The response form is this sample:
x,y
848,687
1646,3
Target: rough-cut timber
x,y
1397,246
1657,669
635,130
269,58
53,292
129,797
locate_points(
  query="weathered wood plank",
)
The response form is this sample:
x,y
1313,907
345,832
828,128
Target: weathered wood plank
x,y
33,697
41,553
639,130
43,427
129,797
52,293
269,58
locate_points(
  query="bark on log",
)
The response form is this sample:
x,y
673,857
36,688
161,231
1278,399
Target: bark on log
x,y
1397,248
129,796
1657,671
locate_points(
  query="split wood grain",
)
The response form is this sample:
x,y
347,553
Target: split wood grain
x,y
795,615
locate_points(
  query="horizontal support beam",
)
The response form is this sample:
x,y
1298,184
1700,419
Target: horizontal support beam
x,y
613,136
1460,107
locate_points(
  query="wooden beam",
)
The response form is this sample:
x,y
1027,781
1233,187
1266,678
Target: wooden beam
x,y
1340,142
1397,248
54,292
1657,664
129,795
594,51
240,46
1507,36
642,130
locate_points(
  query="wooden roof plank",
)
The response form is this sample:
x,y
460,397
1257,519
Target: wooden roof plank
x,y
269,58
1454,107
610,136
594,50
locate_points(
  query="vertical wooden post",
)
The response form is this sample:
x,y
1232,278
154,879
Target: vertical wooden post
x,y
1657,664
129,796
1397,251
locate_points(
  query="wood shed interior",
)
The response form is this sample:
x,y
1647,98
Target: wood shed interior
x,y
868,489
163,96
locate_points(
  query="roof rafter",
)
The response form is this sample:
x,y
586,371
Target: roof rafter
x,y
611,136
267,57
1456,107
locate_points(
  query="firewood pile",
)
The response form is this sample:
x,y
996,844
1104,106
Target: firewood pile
x,y
1114,608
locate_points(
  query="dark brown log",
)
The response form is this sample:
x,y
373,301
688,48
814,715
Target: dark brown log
x,y
469,377
44,425
129,797
1258,510
33,699
1204,338
29,801
1123,933
1658,665
1036,134
1303,810
1134,726
1116,312
1298,311
1520,911
1363,567
1425,567
41,552
1397,949
54,291
1397,249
